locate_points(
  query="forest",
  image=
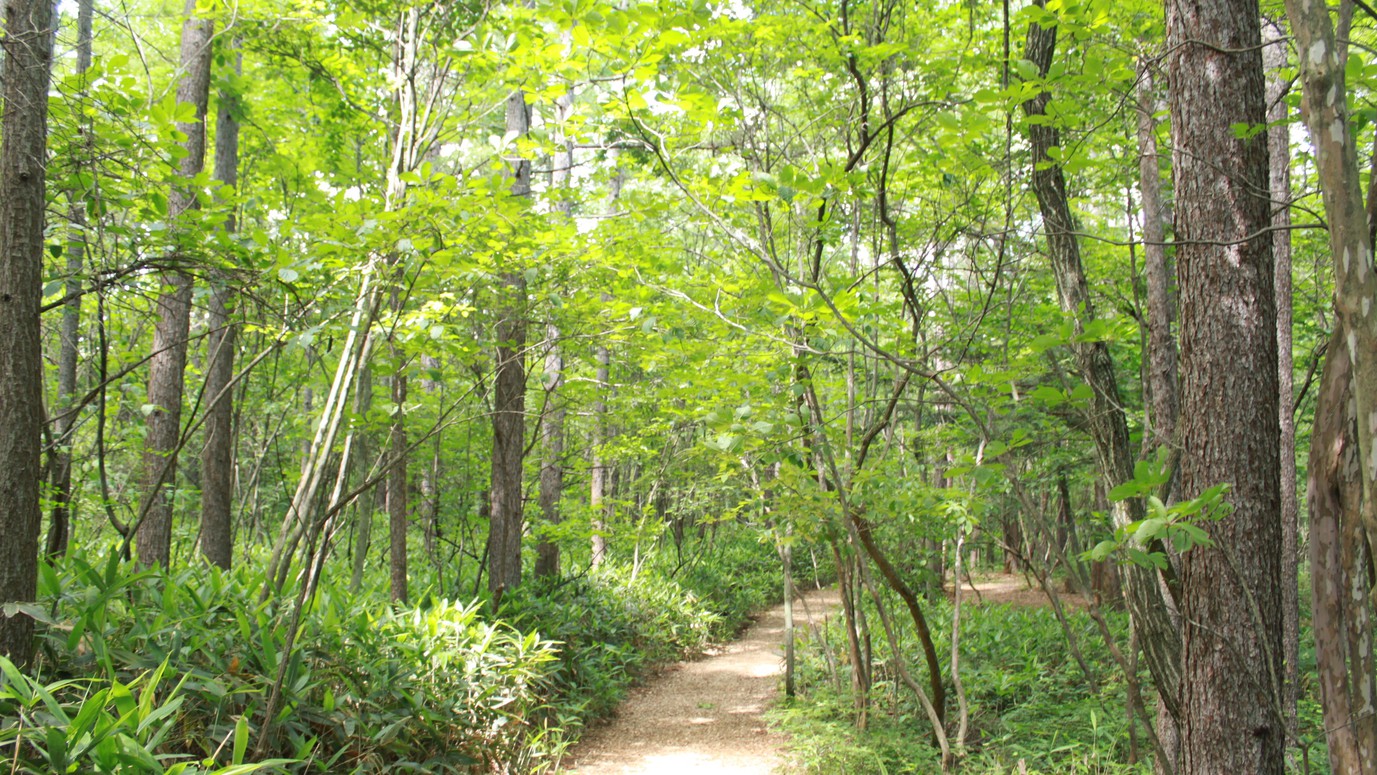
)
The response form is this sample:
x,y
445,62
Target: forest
x,y
395,385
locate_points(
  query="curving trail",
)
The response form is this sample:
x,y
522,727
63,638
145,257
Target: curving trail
x,y
704,716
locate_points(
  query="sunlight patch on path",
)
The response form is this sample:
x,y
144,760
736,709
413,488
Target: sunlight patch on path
x,y
704,716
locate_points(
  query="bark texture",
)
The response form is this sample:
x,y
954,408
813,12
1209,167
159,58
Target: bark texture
x,y
217,457
1230,691
397,489
1339,562
1343,467
1279,173
601,471
1108,424
59,529
167,366
23,152
509,395
552,465
1161,302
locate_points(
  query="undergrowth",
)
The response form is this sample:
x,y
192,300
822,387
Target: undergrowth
x,y
146,671
1032,709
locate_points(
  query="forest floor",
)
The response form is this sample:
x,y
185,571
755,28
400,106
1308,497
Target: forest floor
x,y
705,715
708,715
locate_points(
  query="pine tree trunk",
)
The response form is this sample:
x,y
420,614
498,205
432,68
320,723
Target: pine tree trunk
x,y
1230,688
167,366
23,151
217,457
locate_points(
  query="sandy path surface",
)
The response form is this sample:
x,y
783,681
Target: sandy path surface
x,y
704,716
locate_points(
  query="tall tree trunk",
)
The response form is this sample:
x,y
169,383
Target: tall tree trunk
x,y
397,487
59,528
601,471
1340,570
1162,354
1231,596
23,152
1108,426
552,466
509,394
1279,173
167,366
367,501
217,457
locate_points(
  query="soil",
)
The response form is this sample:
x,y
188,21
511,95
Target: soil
x,y
707,715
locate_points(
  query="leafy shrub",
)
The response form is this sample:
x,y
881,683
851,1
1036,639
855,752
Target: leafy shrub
x,y
368,687
1028,701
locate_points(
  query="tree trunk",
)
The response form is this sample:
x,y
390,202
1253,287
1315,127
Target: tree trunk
x,y
1162,355
367,501
1343,509
167,366
59,529
509,395
1279,173
552,466
23,151
1324,103
598,493
1339,564
1108,426
1230,692
217,457
397,495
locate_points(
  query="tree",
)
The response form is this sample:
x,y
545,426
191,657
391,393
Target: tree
x,y
1107,420
1230,691
167,366
509,389
1343,462
217,458
59,530
23,185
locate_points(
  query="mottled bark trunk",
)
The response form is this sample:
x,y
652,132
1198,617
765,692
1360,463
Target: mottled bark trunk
x,y
1108,424
1339,571
217,457
1343,509
509,394
23,152
167,366
1231,592
59,527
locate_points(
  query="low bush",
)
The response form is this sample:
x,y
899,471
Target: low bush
x,y
368,688
1030,705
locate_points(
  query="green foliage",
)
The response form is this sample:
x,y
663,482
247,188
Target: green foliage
x,y
368,687
1029,702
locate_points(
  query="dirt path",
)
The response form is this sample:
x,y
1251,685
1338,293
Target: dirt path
x,y
704,716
